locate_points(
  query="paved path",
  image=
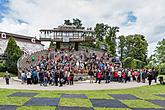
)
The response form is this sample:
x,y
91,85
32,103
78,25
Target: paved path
x,y
77,86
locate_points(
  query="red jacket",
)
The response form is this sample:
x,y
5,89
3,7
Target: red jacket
x,y
123,75
115,74
99,75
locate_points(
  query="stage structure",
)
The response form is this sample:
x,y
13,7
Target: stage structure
x,y
67,36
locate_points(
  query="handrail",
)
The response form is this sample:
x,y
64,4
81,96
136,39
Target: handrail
x,y
18,65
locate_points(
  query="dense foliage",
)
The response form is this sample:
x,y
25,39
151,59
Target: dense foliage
x,y
52,45
161,68
13,53
77,22
157,60
132,63
160,51
106,35
2,67
134,47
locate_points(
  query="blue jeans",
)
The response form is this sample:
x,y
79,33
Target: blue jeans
x,y
107,79
45,81
41,81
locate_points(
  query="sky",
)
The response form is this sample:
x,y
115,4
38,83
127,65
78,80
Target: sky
x,y
27,17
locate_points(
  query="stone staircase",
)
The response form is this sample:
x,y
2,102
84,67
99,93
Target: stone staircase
x,y
26,61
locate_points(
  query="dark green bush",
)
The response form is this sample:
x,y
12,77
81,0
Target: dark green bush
x,y
13,53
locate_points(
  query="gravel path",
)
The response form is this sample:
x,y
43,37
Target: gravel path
x,y
85,85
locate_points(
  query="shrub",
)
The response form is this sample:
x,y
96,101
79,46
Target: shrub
x,y
13,53
2,68
161,68
133,63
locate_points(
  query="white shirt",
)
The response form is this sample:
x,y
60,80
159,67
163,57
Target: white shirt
x,y
29,75
23,74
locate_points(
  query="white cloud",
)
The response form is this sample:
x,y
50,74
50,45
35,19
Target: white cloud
x,y
51,13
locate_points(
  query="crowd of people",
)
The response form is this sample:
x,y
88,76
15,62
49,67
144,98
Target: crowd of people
x,y
62,67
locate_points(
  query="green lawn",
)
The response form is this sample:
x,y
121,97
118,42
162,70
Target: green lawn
x,y
140,104
75,102
13,100
112,109
36,108
144,94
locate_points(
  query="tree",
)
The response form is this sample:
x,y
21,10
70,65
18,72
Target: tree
x,y
133,63
52,45
110,39
129,45
134,47
140,46
129,63
121,47
152,61
100,31
13,53
161,68
67,22
160,51
78,23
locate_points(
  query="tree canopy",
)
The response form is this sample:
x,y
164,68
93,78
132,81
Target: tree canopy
x,y
106,34
160,51
134,47
157,60
77,22
52,45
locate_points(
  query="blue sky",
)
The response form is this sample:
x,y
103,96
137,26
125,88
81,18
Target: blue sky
x,y
27,17
131,18
3,8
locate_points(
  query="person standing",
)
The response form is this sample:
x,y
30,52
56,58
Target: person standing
x,y
91,75
71,78
124,78
133,75
120,75
29,76
95,75
115,75
66,75
41,77
34,76
107,76
23,77
150,77
138,76
129,75
155,74
46,77
61,76
56,76
143,76
99,76
6,77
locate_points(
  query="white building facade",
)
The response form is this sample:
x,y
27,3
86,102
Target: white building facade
x,y
26,43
